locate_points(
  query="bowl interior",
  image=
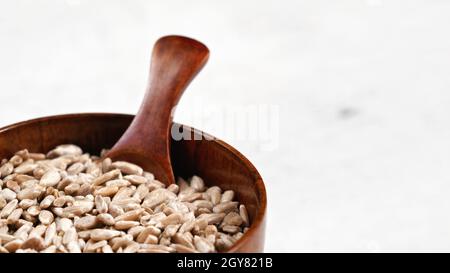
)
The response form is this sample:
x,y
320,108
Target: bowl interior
x,y
213,160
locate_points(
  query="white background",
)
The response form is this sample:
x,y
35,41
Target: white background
x,y
363,162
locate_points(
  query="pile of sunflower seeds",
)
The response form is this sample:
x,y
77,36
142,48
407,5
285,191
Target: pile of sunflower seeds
x,y
68,201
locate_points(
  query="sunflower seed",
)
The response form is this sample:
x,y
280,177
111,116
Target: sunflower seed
x,y
14,245
2,202
233,219
202,245
170,231
180,238
107,249
103,234
133,247
47,201
91,246
25,168
76,168
106,177
8,194
86,222
197,183
13,185
227,196
106,219
50,234
135,179
6,169
6,238
130,215
36,243
72,189
6,211
212,218
70,235
225,207
14,216
107,191
29,193
38,231
124,225
73,247
63,150
127,168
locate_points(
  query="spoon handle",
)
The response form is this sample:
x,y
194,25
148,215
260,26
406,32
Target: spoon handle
x,y
176,60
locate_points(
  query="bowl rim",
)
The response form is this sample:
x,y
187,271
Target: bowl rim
x,y
259,184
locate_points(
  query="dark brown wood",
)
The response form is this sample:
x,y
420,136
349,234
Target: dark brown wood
x,y
217,162
175,62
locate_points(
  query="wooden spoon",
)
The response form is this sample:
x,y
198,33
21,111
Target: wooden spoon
x,y
175,62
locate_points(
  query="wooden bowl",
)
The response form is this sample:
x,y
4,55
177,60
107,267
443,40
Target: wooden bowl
x,y
215,161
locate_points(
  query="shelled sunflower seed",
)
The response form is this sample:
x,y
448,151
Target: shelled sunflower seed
x,y
67,201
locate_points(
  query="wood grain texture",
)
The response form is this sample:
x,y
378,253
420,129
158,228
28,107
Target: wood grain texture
x,y
176,60
217,162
